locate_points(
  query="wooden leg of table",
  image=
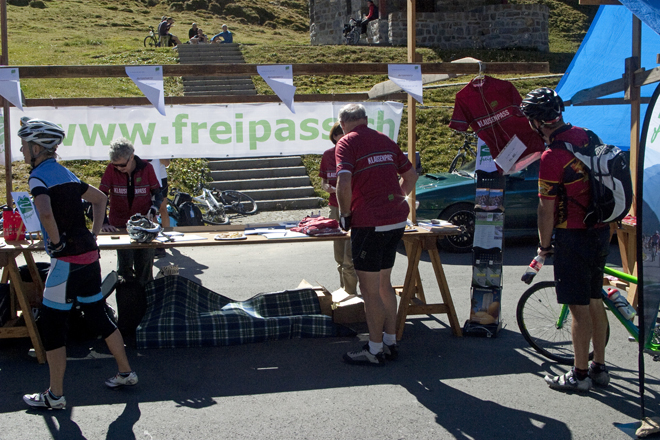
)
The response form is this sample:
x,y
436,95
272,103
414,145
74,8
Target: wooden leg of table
x,y
432,249
34,271
418,288
414,251
16,281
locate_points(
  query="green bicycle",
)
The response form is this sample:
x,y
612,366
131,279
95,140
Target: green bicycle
x,y
546,325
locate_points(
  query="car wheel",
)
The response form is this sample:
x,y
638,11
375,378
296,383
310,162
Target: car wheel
x,y
460,215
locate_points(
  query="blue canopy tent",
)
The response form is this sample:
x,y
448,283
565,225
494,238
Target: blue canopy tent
x,y
601,58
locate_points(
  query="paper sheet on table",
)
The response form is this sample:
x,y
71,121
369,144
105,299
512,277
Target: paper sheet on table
x,y
149,80
27,210
280,79
287,234
10,86
408,77
257,231
488,230
107,239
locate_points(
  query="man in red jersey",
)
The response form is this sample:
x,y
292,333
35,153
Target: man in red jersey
x,y
372,201
580,250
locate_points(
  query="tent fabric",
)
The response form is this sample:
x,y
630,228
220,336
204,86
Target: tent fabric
x,y
648,11
182,313
601,58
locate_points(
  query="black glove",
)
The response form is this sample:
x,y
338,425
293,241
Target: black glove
x,y
153,213
56,249
345,222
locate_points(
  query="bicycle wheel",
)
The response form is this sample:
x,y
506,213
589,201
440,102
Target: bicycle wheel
x,y
213,217
458,162
239,202
150,41
537,315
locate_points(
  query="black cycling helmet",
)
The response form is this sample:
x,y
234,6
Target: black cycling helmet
x,y
141,229
45,133
542,105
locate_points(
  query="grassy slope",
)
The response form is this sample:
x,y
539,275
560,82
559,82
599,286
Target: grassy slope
x,y
84,32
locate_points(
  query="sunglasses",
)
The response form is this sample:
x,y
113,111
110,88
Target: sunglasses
x,y
121,165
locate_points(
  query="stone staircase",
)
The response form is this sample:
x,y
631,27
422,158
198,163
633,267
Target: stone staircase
x,y
275,183
214,85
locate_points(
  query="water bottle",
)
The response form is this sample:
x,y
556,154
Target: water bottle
x,y
621,303
533,269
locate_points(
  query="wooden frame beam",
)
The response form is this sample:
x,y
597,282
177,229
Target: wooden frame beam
x,y
118,71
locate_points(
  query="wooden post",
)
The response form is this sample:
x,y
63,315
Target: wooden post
x,y
412,104
4,60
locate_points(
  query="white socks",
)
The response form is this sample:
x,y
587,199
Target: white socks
x,y
389,339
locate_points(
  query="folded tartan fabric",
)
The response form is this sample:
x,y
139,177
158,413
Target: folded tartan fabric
x,y
316,226
181,313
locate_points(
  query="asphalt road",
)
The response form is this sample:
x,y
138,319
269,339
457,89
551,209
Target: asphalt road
x,y
442,387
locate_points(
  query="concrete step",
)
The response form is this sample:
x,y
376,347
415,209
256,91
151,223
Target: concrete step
x,y
279,193
214,88
222,92
248,184
236,79
209,47
258,173
211,59
255,162
284,204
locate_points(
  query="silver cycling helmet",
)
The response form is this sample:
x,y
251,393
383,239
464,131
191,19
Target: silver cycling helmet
x,y
141,229
45,133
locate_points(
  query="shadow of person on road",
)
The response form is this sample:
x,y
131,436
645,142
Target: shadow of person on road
x,y
122,428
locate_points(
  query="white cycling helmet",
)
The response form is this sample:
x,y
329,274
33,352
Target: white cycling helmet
x,y
45,133
141,229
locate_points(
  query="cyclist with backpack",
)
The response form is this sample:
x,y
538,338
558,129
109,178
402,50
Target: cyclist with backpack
x,y
581,250
75,272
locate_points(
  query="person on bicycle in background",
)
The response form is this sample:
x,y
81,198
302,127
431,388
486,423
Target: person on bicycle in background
x,y
133,188
580,250
75,272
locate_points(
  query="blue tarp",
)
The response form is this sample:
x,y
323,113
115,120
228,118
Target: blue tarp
x,y
601,58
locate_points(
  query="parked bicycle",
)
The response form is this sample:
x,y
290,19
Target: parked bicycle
x,y
466,153
352,31
210,207
546,325
151,40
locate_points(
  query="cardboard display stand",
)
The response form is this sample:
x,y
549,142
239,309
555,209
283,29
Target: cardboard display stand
x,y
486,289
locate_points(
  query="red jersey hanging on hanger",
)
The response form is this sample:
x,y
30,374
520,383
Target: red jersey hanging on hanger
x,y
491,107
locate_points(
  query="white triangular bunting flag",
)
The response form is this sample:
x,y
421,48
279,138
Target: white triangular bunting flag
x,y
149,80
408,77
10,86
280,79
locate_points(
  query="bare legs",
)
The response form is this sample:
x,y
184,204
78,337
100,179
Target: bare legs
x,y
380,304
589,323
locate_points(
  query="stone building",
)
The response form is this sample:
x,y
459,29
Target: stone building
x,y
446,24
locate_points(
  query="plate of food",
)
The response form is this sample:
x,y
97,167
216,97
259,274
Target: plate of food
x,y
236,235
410,228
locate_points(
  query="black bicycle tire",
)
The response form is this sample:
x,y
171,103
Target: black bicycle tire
x,y
549,341
237,201
213,219
154,42
460,157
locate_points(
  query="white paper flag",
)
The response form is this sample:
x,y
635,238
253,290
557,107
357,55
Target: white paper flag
x,y
280,79
10,86
149,79
408,77
27,211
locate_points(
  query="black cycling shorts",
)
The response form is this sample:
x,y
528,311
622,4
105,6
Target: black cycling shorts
x,y
374,251
580,256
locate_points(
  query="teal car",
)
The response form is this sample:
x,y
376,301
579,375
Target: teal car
x,y
451,197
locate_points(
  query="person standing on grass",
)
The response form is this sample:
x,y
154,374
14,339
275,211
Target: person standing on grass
x,y
75,272
580,250
373,205
342,248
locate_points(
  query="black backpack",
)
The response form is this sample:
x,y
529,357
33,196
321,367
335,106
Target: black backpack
x,y
189,215
609,175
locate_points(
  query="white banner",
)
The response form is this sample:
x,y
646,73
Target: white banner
x,y
212,131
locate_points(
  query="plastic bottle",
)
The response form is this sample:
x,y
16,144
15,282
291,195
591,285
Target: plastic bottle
x,y
533,269
621,303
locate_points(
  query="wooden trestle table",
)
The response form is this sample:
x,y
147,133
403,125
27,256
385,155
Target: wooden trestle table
x,y
413,300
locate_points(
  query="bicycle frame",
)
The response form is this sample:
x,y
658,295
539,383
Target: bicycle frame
x,y
206,198
629,325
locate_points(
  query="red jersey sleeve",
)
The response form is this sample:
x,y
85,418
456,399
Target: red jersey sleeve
x,y
106,180
461,118
344,154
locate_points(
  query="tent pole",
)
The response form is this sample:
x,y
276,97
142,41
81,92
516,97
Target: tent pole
x,y
412,104
4,60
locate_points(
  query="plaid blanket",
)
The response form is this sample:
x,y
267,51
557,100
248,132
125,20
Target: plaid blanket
x,y
181,313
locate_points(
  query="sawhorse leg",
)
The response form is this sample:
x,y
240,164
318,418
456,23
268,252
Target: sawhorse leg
x,y
413,301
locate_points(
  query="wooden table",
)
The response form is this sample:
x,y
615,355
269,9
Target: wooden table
x,y
413,301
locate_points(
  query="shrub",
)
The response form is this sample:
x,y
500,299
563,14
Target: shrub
x,y
176,6
271,24
18,2
216,8
38,4
152,2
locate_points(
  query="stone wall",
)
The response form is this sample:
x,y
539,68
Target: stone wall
x,y
487,27
482,27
